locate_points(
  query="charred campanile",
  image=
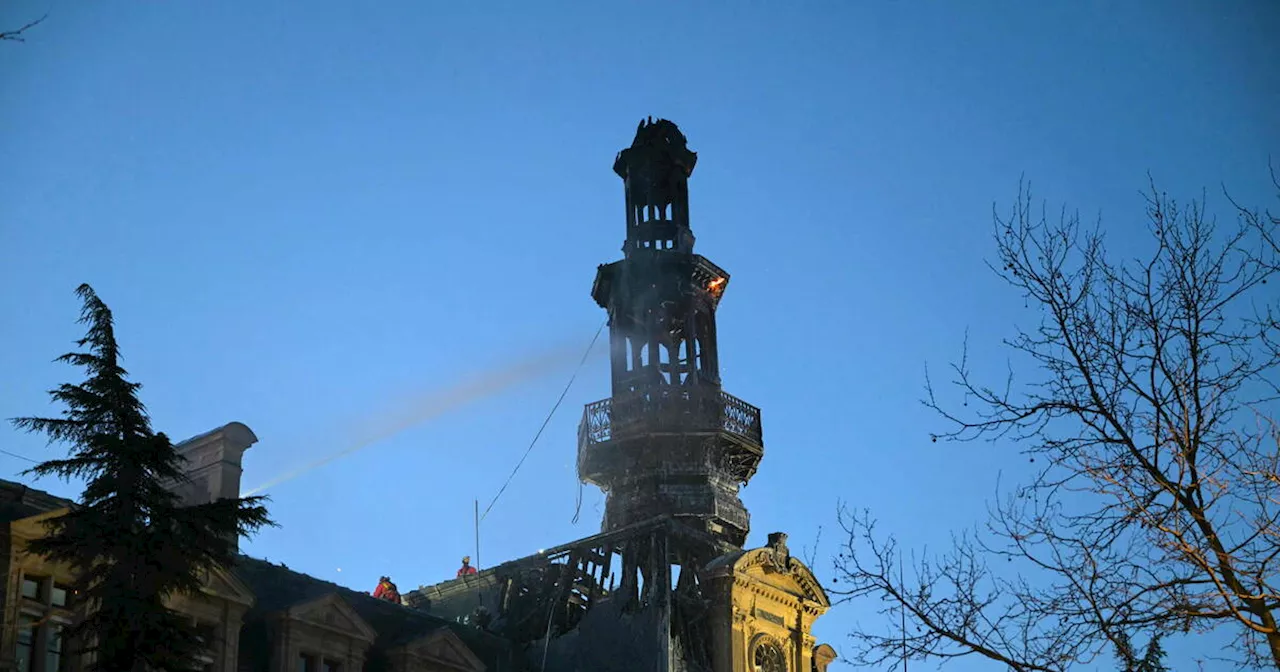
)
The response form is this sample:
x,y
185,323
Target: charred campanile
x,y
669,441
666,586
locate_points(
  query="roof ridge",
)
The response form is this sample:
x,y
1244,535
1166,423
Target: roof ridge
x,y
340,588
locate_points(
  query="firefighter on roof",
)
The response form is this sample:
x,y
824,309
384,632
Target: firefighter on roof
x,y
466,569
387,590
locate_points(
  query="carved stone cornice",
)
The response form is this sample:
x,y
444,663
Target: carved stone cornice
x,y
772,560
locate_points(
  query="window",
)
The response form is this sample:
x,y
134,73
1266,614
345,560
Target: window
x,y
58,595
307,663
207,660
31,587
53,653
768,657
208,633
26,644
40,628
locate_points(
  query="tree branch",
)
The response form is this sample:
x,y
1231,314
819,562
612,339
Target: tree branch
x,y
18,34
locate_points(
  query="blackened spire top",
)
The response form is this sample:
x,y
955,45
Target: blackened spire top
x,y
658,144
655,170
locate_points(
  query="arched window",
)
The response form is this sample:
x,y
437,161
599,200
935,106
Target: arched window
x,y
767,656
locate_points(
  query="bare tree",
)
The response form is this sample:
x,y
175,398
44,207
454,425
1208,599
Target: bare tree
x,y
18,34
1154,504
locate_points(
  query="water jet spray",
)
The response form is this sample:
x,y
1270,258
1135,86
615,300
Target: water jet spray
x,y
434,404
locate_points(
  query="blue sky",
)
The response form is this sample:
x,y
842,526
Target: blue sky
x,y
304,214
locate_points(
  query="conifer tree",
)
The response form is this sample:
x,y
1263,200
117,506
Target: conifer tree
x,y
129,540
1152,659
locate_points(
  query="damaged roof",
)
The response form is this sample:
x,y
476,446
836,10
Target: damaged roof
x,y
278,588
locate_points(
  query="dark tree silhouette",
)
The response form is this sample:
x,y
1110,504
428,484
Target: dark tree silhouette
x,y
1154,509
130,542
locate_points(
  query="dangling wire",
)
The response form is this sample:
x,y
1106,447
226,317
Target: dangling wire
x,y
546,421
577,506
551,613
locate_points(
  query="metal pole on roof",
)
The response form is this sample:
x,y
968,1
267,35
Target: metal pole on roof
x,y
902,585
477,565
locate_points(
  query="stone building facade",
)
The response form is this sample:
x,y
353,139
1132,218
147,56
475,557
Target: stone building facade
x,y
758,606
256,616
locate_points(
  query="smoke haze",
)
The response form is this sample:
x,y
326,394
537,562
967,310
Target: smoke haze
x,y
428,406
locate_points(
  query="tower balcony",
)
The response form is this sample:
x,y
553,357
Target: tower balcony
x,y
676,410
688,412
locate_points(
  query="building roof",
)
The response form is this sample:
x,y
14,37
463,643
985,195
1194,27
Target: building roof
x,y
278,588
18,501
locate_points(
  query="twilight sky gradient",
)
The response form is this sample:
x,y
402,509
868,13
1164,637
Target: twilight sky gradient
x,y
307,215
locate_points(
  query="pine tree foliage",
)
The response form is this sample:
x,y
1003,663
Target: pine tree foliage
x,y
1152,659
129,541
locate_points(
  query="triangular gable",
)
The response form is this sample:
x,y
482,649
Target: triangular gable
x,y
766,565
333,613
223,584
443,647
790,575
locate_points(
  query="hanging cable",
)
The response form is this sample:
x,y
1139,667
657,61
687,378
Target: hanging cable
x,y
20,457
577,506
546,421
546,637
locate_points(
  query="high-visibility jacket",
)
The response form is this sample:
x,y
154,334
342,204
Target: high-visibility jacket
x,y
387,591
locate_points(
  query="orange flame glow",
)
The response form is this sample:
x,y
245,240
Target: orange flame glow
x,y
716,284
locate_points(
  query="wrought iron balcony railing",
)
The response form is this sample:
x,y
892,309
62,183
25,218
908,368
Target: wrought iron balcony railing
x,y
672,410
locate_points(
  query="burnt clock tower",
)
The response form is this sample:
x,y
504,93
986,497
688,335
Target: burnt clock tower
x,y
666,585
669,441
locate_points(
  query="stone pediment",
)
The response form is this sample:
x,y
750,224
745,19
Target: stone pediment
x,y
769,567
443,648
223,584
333,613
